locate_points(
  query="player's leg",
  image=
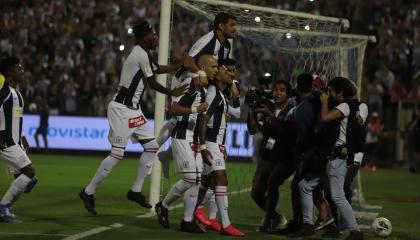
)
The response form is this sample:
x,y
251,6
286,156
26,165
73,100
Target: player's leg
x,y
220,183
145,137
118,136
18,161
166,131
165,156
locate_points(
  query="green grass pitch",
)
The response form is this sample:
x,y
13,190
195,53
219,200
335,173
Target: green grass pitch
x,y
54,211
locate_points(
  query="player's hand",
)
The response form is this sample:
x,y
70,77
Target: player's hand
x,y
189,63
25,144
207,157
324,98
178,91
202,107
224,155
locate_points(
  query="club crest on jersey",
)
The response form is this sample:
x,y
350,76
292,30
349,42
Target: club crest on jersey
x,y
136,121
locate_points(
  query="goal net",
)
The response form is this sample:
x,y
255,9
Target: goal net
x,y
281,43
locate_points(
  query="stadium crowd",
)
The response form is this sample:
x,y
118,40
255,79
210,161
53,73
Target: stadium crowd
x,y
74,49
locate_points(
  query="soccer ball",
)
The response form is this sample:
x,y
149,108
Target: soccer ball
x,y
32,107
382,227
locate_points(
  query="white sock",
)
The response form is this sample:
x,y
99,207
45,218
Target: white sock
x,y
145,163
165,132
176,191
15,189
207,197
212,208
222,204
103,170
190,200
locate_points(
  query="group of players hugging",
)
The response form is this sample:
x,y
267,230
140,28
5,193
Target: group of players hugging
x,y
311,131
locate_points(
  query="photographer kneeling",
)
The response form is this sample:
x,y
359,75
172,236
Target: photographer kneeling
x,y
276,162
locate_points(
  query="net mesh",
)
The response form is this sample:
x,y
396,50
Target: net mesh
x,y
279,42
268,40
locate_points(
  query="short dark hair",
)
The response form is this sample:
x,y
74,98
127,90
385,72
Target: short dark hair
x,y
285,83
141,29
304,82
7,63
342,85
227,62
222,17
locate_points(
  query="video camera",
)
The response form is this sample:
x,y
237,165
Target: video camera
x,y
255,98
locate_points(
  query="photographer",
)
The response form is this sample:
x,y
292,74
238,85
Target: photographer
x,y
341,91
276,162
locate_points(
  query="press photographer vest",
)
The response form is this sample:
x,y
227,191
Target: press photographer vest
x,y
355,133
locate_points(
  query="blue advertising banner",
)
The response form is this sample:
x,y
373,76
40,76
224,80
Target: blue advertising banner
x,y
91,133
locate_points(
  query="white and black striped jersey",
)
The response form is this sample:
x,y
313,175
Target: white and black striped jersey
x,y
208,44
138,66
185,127
11,114
218,107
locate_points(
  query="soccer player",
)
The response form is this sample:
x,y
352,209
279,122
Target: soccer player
x,y
234,110
126,118
12,144
187,107
212,130
214,43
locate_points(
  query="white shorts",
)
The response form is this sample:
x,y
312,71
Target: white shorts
x,y
14,158
185,156
126,123
217,151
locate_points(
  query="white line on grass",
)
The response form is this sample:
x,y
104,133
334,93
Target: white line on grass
x,y
97,230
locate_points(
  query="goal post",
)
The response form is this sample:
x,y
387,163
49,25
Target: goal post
x,y
283,43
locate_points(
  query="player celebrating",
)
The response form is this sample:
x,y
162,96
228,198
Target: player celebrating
x,y
187,107
214,43
126,118
11,139
234,110
212,130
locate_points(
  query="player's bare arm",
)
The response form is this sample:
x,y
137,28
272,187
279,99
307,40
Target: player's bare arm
x,y
25,144
187,62
202,130
179,110
171,92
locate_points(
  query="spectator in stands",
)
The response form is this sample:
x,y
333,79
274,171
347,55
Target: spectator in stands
x,y
374,130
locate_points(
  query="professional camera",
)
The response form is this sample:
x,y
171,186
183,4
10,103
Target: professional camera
x,y
255,98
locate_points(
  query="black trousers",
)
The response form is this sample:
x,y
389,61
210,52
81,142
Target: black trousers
x,y
269,176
